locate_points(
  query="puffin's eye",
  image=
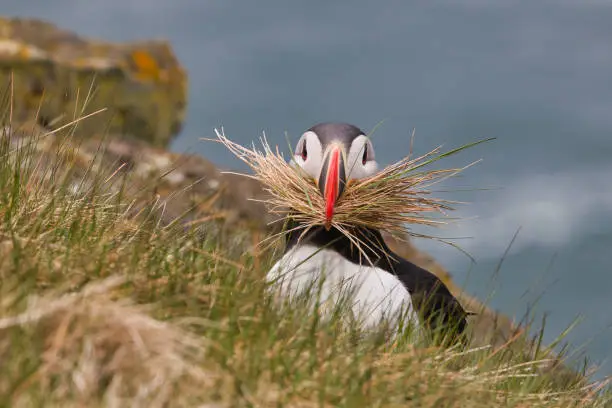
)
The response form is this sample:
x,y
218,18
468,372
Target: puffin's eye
x,y
368,153
364,159
300,149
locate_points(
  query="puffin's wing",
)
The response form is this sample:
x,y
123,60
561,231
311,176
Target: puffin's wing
x,y
430,295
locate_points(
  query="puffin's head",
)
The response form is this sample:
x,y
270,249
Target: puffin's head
x,y
333,154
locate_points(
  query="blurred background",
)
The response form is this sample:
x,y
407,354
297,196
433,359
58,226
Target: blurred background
x,y
534,75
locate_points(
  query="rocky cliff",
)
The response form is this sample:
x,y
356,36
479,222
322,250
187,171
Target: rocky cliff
x,y
57,75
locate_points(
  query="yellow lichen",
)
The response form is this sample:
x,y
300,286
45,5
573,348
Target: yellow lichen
x,y
24,52
147,67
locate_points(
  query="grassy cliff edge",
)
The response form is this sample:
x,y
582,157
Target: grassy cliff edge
x,y
104,304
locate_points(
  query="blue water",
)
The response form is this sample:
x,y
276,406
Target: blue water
x,y
536,75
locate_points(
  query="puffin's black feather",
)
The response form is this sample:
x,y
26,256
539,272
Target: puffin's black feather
x,y
439,308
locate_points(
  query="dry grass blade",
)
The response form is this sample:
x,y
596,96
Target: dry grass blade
x,y
391,200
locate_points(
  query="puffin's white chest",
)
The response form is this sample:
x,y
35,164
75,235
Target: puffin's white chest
x,y
374,293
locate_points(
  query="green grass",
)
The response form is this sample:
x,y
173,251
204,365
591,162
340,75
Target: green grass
x,y
101,304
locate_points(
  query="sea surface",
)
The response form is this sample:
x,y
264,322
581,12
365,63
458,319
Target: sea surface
x,y
536,75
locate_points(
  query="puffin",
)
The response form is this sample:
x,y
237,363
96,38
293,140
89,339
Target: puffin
x,y
378,284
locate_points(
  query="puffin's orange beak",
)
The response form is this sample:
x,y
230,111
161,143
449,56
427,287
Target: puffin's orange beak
x,y
332,180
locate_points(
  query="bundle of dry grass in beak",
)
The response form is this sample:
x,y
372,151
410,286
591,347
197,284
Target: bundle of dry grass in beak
x,y
390,201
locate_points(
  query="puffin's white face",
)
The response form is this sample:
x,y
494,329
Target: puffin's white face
x,y
359,160
333,154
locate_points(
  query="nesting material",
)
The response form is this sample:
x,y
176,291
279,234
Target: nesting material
x,y
390,201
